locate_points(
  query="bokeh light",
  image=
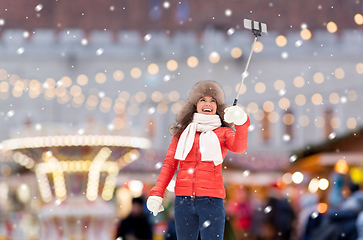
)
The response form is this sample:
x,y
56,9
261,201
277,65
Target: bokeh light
x,y
273,117
258,47
299,81
66,81
13,78
4,87
118,75
351,123
82,79
304,121
156,96
332,27
358,19
174,96
259,115
236,52
279,85
319,122
268,106
317,99
260,87
318,78
288,119
243,88
305,34
5,170
252,107
3,74
352,95
162,108
359,68
135,72
100,78
300,99
322,207
297,177
172,65
281,41
313,185
75,91
339,73
323,183
287,178
335,122
334,98
284,103
153,68
341,167
192,62
214,57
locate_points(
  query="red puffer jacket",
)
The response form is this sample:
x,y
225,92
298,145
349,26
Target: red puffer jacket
x,y
196,177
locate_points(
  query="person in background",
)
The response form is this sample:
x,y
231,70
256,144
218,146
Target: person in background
x,y
308,209
359,226
199,144
240,212
136,225
281,216
341,222
260,229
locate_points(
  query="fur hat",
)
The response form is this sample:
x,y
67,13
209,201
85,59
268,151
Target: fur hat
x,y
201,89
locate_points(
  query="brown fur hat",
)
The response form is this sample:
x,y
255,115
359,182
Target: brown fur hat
x,y
201,89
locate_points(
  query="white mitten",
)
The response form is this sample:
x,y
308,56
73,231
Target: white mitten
x,y
235,114
153,203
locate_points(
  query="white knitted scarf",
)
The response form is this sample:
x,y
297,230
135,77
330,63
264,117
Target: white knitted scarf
x,y
210,147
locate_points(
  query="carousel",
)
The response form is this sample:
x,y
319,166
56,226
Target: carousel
x,y
76,178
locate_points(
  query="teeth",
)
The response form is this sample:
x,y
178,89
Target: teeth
x,y
207,110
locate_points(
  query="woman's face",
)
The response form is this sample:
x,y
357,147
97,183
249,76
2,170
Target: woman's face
x,y
207,105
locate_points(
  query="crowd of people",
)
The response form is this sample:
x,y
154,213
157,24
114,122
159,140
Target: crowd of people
x,y
263,216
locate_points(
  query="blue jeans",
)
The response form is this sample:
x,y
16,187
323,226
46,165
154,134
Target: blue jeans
x,y
201,214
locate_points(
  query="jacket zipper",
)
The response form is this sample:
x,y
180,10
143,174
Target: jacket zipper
x,y
195,168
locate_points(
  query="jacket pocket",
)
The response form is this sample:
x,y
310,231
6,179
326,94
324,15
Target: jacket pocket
x,y
178,201
218,202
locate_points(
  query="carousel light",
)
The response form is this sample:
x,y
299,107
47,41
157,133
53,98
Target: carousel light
x,y
57,172
69,140
30,164
109,188
93,176
4,192
113,169
43,183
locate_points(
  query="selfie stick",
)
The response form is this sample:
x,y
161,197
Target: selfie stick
x,y
261,27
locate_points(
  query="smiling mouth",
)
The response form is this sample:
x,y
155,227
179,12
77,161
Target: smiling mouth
x,y
207,110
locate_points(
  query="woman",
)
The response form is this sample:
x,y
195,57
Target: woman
x,y
198,146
